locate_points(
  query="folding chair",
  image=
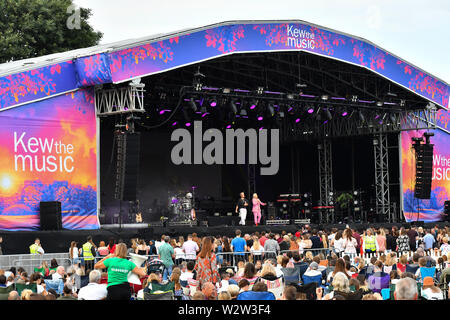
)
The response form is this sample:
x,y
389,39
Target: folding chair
x,y
253,295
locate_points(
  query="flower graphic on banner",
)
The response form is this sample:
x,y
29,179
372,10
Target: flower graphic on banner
x,y
443,118
224,38
327,41
275,34
368,56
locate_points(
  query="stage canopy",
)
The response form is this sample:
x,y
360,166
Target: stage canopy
x,y
49,146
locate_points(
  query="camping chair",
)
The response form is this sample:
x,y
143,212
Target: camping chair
x,y
291,275
159,296
411,269
386,293
4,292
317,279
276,286
427,272
20,287
185,287
252,295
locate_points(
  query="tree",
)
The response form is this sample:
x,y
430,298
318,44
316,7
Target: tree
x,y
32,28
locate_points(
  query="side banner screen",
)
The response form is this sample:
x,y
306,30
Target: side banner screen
x,y
48,152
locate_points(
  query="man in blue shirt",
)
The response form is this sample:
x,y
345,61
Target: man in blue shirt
x,y
238,244
166,254
428,240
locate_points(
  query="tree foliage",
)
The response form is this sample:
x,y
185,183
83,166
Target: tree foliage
x,y
31,28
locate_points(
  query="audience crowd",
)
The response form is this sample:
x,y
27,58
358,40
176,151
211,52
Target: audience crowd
x,y
350,264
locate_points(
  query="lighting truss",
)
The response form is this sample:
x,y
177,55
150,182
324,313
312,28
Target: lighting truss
x,y
120,100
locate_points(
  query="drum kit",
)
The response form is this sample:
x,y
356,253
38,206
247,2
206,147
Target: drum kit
x,y
181,206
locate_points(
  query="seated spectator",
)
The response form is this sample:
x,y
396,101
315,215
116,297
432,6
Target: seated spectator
x,y
259,287
209,290
67,293
341,286
313,270
231,280
394,276
13,295
59,274
36,296
224,295
23,278
250,273
225,282
233,290
339,267
363,286
430,291
37,279
94,290
268,272
244,285
402,262
198,295
189,273
390,263
379,279
406,289
289,293
422,264
26,294
372,296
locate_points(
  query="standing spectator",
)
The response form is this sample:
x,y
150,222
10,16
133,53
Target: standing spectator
x,y
428,240
190,248
413,237
112,246
118,268
445,247
381,240
356,235
271,247
196,239
285,244
94,290
73,253
257,250
403,242
391,245
102,250
166,254
316,240
206,266
179,254
142,248
350,244
239,246
263,238
338,243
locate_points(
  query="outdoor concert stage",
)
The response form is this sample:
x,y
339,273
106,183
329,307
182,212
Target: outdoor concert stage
x,y
59,241
139,128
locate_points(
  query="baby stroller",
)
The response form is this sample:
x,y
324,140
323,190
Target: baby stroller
x,y
155,266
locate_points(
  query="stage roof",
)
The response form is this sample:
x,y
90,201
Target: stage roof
x,y
38,78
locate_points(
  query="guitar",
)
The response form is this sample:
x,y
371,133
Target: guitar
x,y
138,217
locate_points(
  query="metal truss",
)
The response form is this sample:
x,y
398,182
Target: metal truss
x,y
370,123
120,100
251,179
325,175
383,203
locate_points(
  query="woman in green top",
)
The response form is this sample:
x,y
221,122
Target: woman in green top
x,y
118,268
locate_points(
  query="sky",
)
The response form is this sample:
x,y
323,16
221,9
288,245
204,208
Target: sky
x,y
416,31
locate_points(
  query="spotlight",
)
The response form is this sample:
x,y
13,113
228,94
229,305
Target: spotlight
x,y
328,114
355,192
344,112
188,124
260,118
380,103
361,116
324,97
270,109
297,120
233,107
193,105
213,102
331,193
355,202
253,104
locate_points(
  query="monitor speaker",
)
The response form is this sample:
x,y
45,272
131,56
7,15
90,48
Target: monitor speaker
x,y
424,170
50,215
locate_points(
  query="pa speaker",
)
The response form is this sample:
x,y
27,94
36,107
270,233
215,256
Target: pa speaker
x,y
424,170
127,166
50,215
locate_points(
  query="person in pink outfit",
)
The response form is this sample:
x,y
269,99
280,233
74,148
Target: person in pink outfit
x,y
257,208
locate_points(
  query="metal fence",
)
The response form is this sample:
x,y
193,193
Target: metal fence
x,y
31,261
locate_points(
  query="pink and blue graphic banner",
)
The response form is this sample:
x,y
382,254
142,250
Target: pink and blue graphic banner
x,y
432,209
48,152
159,56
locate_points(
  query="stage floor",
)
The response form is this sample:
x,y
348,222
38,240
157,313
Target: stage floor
x,y
59,241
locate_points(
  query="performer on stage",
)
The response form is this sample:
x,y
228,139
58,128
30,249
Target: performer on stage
x,y
242,207
257,208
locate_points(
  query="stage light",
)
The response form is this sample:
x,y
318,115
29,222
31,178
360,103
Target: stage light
x,y
355,202
260,118
226,90
355,192
253,104
324,97
270,109
193,105
174,124
260,90
297,120
361,116
331,193
344,112
233,107
379,103
310,110
213,102
229,126
188,124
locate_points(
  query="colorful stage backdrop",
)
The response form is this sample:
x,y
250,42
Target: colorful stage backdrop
x,y
427,210
48,152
